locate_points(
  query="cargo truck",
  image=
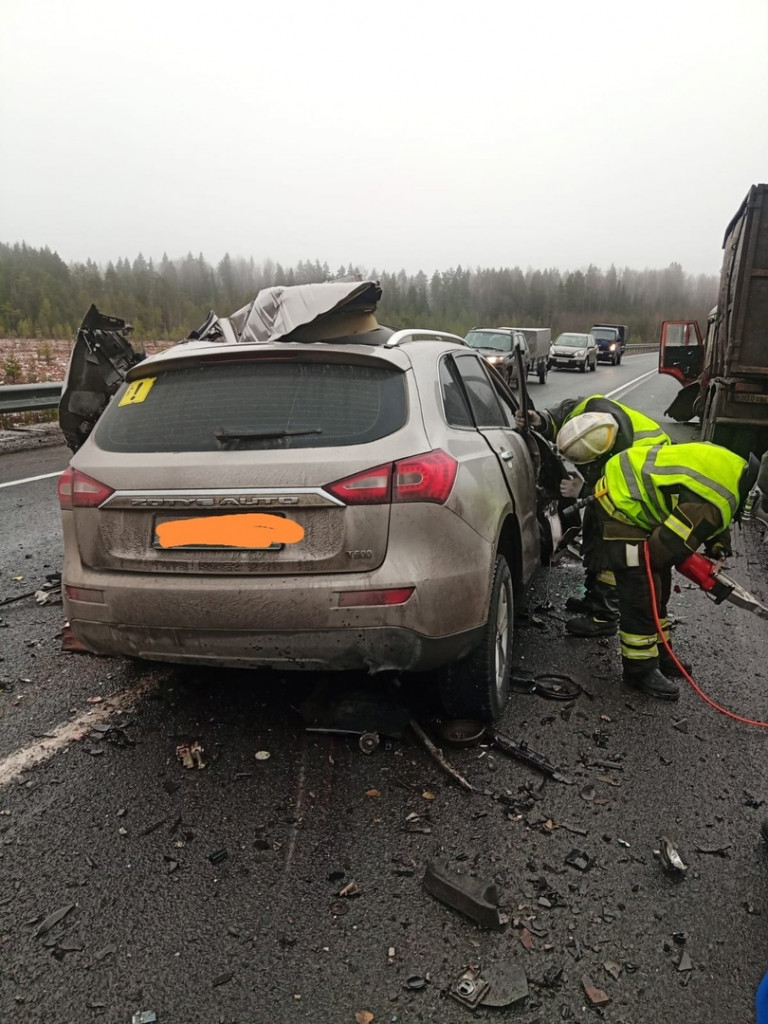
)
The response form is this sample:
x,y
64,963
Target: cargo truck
x,y
724,372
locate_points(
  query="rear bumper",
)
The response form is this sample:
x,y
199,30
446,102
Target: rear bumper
x,y
378,649
289,621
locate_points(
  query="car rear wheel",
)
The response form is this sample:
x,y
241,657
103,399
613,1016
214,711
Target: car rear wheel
x,y
478,686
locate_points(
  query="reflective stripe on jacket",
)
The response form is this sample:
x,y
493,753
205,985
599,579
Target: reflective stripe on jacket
x,y
634,427
642,484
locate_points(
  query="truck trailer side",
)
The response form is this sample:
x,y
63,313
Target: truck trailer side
x,y
725,371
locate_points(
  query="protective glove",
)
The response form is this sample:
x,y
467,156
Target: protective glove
x,y
571,486
719,547
534,419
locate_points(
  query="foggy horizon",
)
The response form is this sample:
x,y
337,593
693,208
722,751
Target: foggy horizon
x,y
554,136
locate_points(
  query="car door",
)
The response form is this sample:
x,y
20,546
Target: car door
x,y
493,413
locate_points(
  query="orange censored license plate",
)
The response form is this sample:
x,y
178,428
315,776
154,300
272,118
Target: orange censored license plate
x,y
244,530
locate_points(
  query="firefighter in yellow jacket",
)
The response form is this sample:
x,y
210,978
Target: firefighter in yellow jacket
x,y
674,498
599,607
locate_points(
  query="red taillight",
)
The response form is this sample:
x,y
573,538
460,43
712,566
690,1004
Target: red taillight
x,y
428,477
76,490
371,487
360,598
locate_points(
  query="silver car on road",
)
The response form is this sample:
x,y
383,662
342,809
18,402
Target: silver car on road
x,y
301,490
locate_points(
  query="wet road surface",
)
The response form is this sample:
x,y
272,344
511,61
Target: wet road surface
x,y
214,894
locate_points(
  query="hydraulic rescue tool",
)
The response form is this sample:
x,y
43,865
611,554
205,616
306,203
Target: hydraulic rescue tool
x,y
713,581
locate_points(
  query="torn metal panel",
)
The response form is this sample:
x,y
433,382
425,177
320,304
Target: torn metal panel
x,y
277,312
101,357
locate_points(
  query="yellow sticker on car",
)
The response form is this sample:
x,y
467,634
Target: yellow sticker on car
x,y
137,391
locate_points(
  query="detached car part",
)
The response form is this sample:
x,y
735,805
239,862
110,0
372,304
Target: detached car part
x,y
101,357
475,897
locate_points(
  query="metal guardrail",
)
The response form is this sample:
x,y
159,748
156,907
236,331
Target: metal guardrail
x,y
638,350
30,397
46,395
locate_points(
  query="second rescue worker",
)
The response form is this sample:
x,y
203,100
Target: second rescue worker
x,y
599,607
674,498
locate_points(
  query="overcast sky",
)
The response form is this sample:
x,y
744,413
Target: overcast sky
x,y
415,135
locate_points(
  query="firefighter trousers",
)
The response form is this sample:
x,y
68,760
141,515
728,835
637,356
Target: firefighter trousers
x,y
619,549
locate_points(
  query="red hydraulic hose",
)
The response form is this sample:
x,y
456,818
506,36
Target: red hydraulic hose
x,y
697,688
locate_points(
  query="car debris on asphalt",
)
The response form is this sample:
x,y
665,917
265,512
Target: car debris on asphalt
x,y
477,898
596,996
501,984
670,859
191,754
438,756
464,732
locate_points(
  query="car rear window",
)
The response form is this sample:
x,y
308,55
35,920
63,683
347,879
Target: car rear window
x,y
255,405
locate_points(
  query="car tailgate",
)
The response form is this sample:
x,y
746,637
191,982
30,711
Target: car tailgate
x,y
312,531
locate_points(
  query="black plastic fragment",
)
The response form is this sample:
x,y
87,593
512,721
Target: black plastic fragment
x,y
475,897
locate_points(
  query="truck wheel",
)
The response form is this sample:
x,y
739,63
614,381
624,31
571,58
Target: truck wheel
x,y
542,371
477,687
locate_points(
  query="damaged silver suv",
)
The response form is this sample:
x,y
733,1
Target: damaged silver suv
x,y
296,486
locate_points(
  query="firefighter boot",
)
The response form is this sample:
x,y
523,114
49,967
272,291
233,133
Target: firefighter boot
x,y
583,604
650,681
603,616
590,626
669,668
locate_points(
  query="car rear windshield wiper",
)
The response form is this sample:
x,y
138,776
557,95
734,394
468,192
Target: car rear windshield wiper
x,y
223,436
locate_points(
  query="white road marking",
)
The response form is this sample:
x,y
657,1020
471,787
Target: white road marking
x,y
30,479
632,384
68,732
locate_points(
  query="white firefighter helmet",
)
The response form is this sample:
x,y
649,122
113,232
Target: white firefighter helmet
x,y
587,437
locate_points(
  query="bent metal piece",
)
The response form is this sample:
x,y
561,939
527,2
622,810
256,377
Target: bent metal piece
x,y
474,897
522,752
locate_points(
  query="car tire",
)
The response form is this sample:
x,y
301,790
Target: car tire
x,y
477,687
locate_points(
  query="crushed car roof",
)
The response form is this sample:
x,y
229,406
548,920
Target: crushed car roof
x,y
277,312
